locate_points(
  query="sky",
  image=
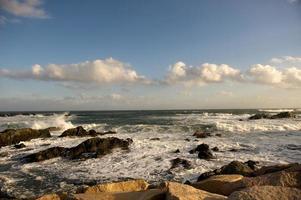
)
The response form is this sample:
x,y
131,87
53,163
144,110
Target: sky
x,y
139,54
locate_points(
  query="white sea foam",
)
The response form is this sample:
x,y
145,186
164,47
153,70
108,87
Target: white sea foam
x,y
276,110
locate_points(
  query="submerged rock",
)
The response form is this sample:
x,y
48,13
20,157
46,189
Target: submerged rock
x,y
19,146
215,149
201,134
177,162
91,148
260,116
14,136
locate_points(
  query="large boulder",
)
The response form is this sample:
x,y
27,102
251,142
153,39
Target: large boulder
x,y
91,148
219,184
14,136
266,193
152,194
178,191
124,186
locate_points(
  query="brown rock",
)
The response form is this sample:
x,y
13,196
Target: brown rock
x,y
220,184
152,194
266,193
14,136
125,186
178,191
201,134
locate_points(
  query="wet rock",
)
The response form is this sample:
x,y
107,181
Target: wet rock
x,y
236,167
14,136
186,139
215,149
284,115
91,148
81,132
19,146
201,134
177,191
53,128
177,151
276,116
203,151
178,162
266,193
218,135
260,116
276,168
219,184
155,139
252,164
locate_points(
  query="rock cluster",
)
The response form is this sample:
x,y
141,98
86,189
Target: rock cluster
x,y
203,151
276,116
91,148
81,132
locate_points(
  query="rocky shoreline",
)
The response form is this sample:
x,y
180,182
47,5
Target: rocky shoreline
x,y
234,181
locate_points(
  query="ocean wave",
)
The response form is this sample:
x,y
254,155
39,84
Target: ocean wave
x,y
276,110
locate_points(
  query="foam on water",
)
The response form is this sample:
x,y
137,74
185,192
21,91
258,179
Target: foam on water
x,y
267,141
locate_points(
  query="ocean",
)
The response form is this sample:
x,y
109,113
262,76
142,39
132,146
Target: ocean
x,y
268,141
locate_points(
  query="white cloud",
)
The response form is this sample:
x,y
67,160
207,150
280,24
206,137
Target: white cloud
x,y
200,75
286,78
4,20
286,60
97,71
24,8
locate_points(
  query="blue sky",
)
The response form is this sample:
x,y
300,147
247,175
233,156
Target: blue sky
x,y
149,54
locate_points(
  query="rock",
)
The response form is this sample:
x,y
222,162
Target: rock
x,y
124,186
152,194
19,146
78,131
275,168
177,151
260,116
276,116
177,191
54,197
203,151
282,178
91,148
108,132
236,167
14,136
187,139
218,135
252,164
53,128
220,184
215,149
177,162
155,139
200,134
206,175
284,115
266,193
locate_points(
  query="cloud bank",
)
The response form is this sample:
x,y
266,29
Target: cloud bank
x,y
25,8
97,71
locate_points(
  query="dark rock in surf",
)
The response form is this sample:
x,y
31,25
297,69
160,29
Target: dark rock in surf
x,y
276,116
19,146
215,149
178,162
91,148
81,132
155,139
14,136
201,134
177,151
203,151
218,135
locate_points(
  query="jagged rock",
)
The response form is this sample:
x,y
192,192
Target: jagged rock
x,y
266,193
276,116
94,147
177,151
220,184
124,186
81,132
177,162
177,191
201,134
19,146
14,136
